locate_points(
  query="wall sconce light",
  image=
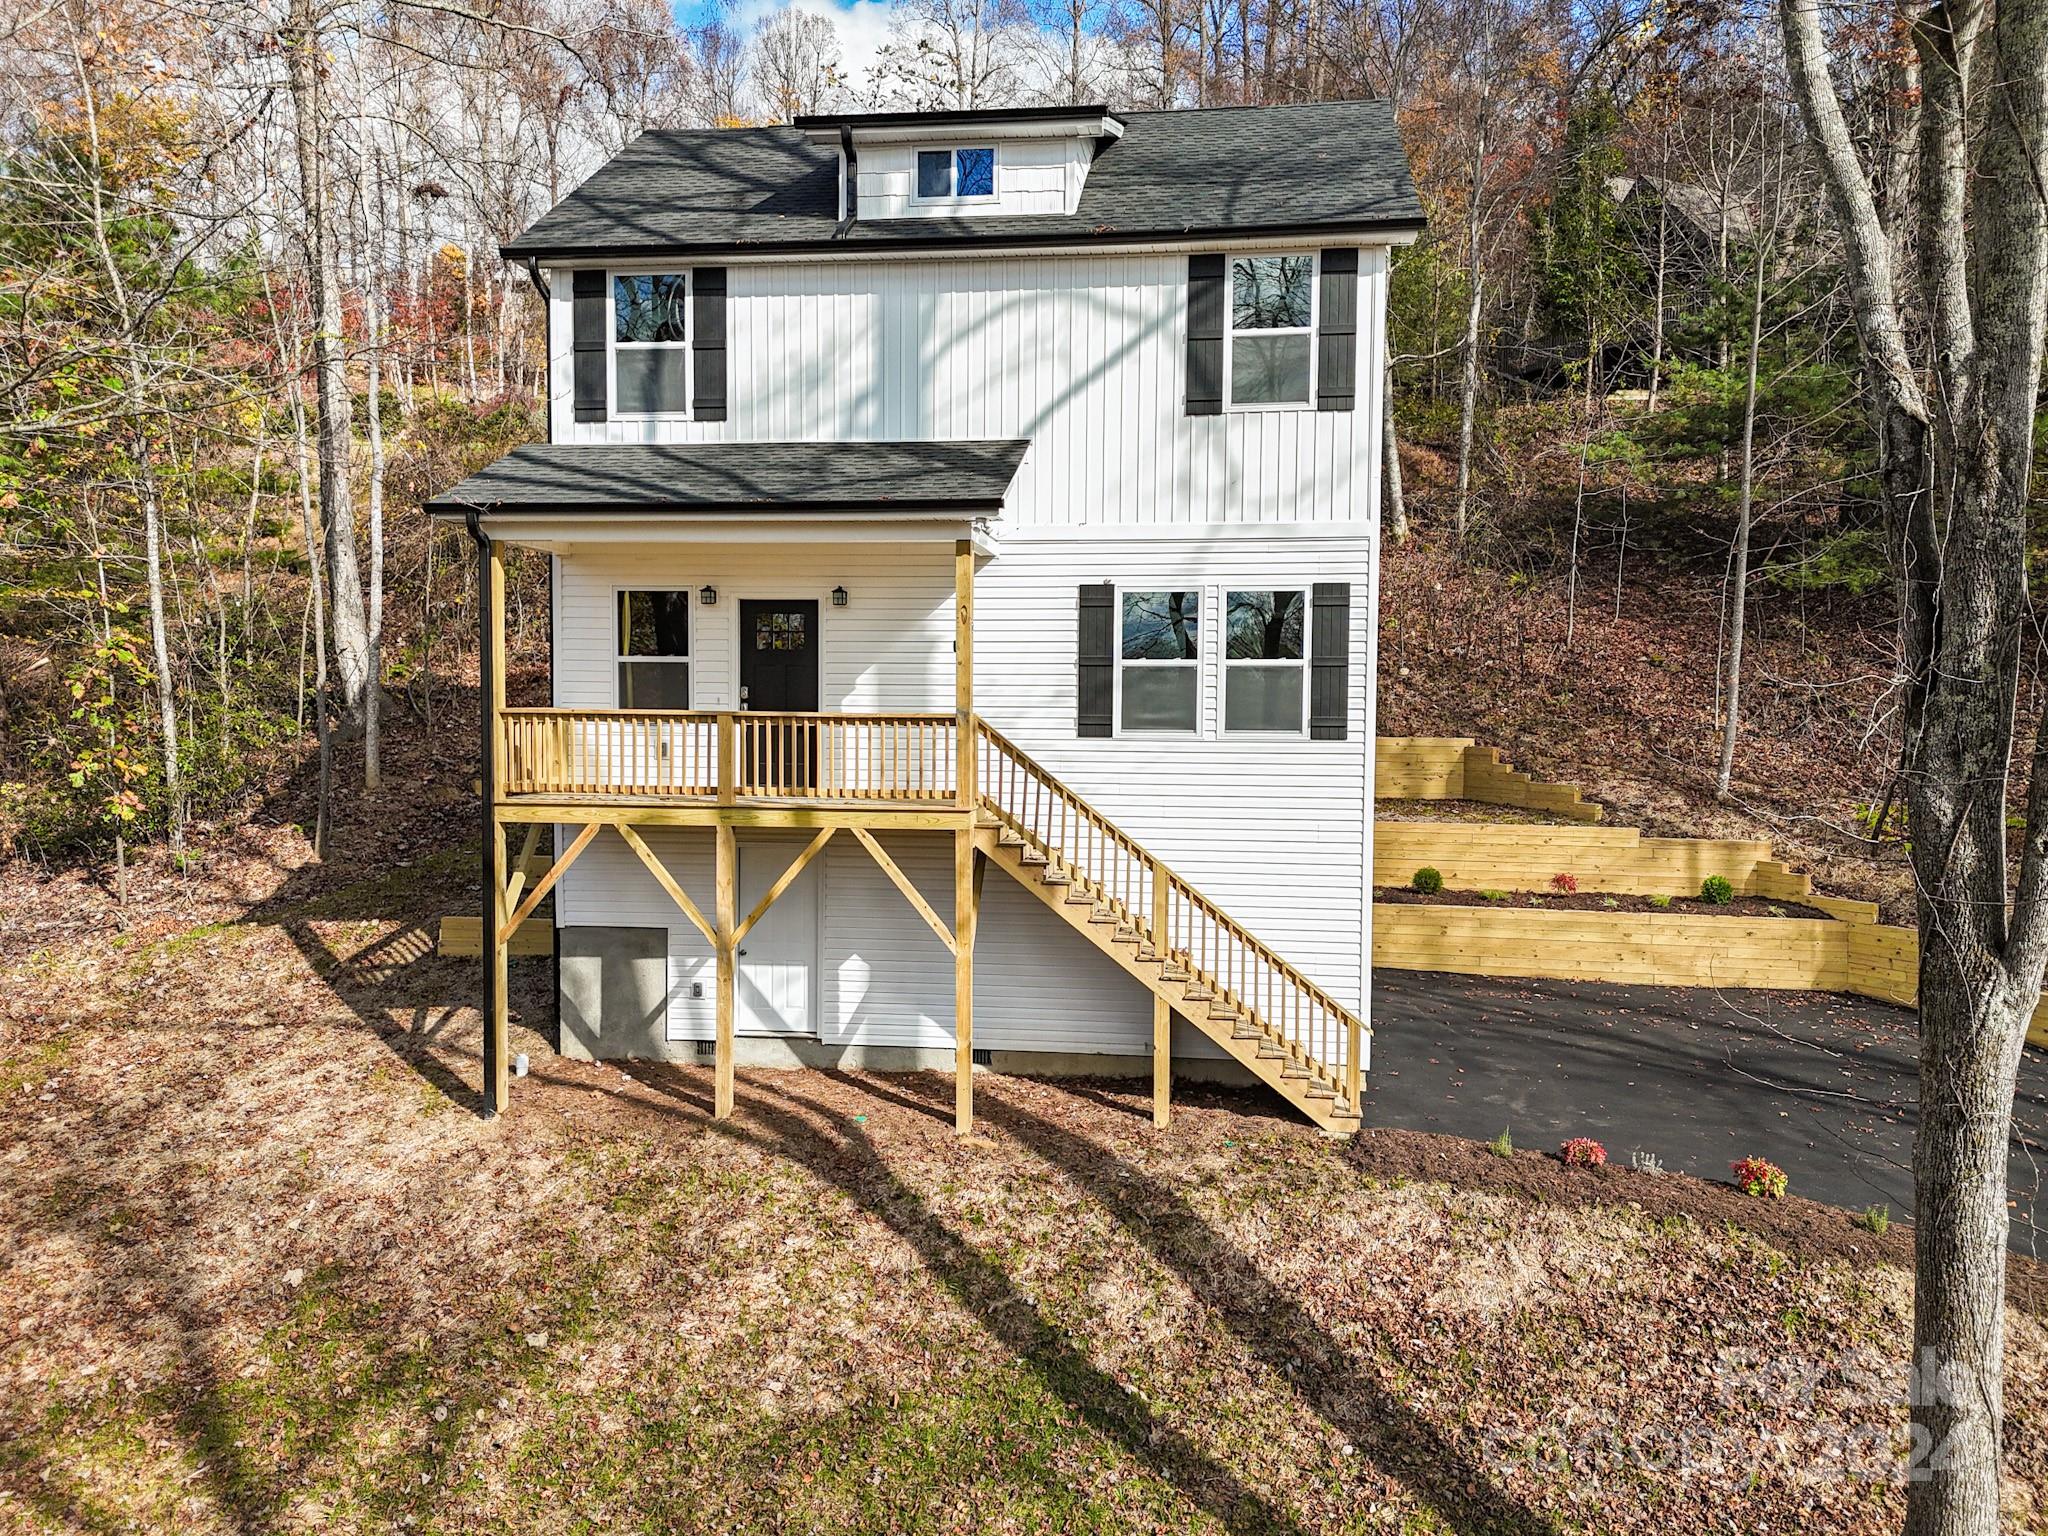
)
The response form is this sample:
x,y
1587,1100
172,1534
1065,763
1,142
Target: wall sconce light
x,y
707,595
839,597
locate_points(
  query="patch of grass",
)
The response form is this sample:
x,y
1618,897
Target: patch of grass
x,y
1874,1219
1503,1145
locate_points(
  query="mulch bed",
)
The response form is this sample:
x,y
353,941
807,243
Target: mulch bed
x,y
1467,810
1599,901
1805,1229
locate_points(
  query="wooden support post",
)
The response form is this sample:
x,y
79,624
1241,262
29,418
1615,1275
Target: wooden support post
x,y
728,908
966,904
1354,1040
1162,1014
964,754
728,761
1162,1061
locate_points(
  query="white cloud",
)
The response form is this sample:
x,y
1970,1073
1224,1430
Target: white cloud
x,y
862,27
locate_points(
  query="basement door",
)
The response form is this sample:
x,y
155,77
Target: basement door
x,y
778,960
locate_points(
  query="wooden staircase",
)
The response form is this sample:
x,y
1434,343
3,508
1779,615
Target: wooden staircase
x,y
1290,1033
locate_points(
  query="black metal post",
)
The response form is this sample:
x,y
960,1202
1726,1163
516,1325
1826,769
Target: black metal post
x,y
486,669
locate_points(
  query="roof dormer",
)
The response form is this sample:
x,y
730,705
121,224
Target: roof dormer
x,y
962,165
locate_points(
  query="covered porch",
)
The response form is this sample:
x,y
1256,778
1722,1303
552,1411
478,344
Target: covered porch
x,y
714,577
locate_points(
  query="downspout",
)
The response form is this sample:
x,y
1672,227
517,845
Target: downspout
x,y
851,191
487,777
547,341
547,334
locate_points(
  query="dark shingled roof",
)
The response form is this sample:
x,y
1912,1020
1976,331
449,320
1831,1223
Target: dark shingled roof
x,y
1326,169
709,479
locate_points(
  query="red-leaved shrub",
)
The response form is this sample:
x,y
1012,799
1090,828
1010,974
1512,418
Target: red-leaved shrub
x,y
1582,1152
1565,882
1761,1177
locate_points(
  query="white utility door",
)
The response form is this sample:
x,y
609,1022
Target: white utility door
x,y
778,960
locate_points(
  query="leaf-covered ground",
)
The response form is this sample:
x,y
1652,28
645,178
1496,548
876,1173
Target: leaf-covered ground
x,y
265,1270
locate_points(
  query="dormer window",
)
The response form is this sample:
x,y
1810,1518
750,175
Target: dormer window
x,y
959,174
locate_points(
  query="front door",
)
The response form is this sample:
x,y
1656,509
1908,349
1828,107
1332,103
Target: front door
x,y
778,958
778,674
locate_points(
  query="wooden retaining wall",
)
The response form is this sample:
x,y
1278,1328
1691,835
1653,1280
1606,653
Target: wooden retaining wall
x,y
1509,856
1659,949
1458,768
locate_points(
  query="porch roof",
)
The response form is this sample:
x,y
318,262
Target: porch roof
x,y
963,478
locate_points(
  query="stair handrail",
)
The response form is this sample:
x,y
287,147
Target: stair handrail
x,y
1356,1028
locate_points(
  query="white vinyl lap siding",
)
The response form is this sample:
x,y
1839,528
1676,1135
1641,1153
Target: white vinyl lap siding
x,y
1273,829
1083,355
889,648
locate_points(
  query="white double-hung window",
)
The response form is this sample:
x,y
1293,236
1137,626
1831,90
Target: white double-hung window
x,y
1269,358
1265,660
1159,666
650,344
654,650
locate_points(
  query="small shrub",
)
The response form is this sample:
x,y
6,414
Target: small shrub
x,y
1493,895
1761,1177
1503,1145
1715,891
1582,1152
1610,903
1875,1219
1426,881
1645,1162
1564,882
1659,903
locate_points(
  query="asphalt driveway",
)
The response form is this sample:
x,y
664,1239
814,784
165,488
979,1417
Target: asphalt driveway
x,y
1822,1085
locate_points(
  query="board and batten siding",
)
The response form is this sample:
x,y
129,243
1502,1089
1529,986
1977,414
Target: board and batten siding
x,y
1276,830
1032,176
1084,355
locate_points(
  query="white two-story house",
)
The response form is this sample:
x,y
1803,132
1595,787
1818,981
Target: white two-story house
x,y
964,535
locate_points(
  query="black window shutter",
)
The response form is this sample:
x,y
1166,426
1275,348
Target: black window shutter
x,y
1095,697
707,344
1205,335
1329,666
1337,333
589,315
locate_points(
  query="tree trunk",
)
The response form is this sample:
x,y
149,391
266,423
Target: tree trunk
x,y
1745,501
1657,301
373,698
1953,466
1475,280
1390,454
144,454
304,64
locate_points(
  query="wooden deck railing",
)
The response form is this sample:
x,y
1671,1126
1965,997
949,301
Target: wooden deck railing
x,y
705,755
1240,971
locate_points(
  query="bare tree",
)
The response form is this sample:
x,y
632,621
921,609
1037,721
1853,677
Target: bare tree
x,y
306,68
1954,462
795,63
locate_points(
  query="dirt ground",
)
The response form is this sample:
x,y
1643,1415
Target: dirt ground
x,y
266,1270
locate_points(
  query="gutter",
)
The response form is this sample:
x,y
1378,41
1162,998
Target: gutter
x,y
1368,231
487,777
